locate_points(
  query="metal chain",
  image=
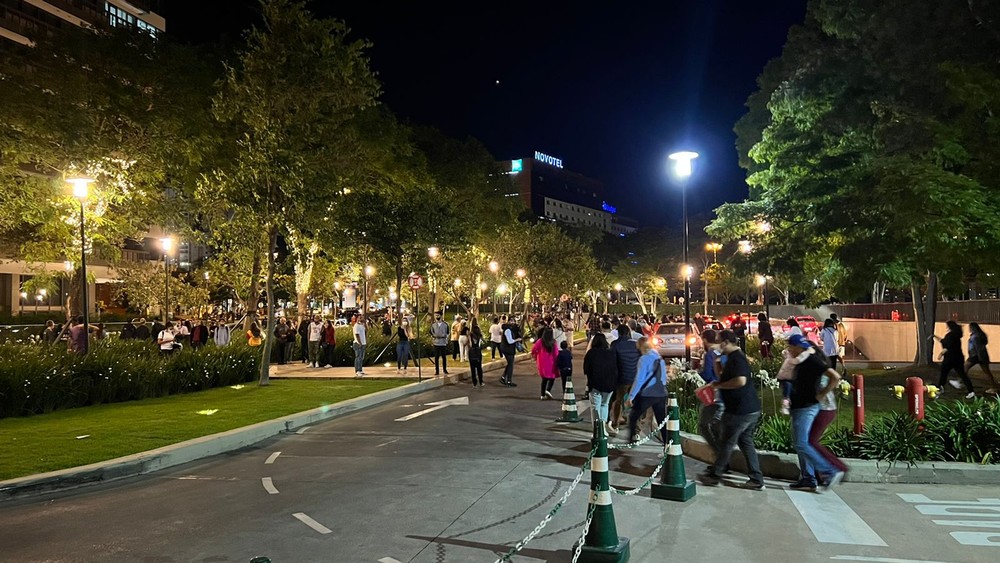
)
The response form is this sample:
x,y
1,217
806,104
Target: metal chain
x,y
583,536
641,441
659,466
520,545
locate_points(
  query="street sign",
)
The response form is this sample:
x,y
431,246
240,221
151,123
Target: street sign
x,y
415,281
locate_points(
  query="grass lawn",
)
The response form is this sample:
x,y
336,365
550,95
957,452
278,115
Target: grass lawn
x,y
48,442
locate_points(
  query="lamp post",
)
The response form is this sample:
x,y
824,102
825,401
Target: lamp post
x,y
762,283
521,273
167,243
369,272
682,170
81,190
495,267
714,248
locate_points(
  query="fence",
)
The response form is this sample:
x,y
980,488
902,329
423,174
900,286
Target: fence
x,y
984,311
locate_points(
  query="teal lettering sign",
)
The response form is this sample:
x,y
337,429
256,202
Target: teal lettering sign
x,y
550,160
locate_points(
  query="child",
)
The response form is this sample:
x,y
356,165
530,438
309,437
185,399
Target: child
x,y
564,361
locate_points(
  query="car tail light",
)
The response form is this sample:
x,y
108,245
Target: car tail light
x,y
656,342
692,341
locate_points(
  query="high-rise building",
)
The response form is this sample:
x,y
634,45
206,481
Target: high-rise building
x,y
25,21
558,194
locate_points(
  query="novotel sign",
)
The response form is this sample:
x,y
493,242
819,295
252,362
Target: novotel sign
x,y
551,160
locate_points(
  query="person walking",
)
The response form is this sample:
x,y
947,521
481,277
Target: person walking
x,y
463,342
403,335
740,418
952,358
739,328
827,414
496,336
649,391
254,338
475,354
329,344
79,333
831,342
979,355
627,357
439,334
304,339
545,355
600,365
141,330
223,334
765,335
165,339
710,416
511,340
806,388
558,333
315,339
359,344
127,333
199,335
564,363
281,338
456,328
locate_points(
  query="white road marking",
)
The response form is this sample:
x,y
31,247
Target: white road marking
x,y
988,511
389,560
387,443
271,458
438,405
882,559
305,519
969,523
832,521
922,499
991,539
268,485
303,430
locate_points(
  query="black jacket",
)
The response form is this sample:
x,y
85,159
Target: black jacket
x,y
628,360
600,365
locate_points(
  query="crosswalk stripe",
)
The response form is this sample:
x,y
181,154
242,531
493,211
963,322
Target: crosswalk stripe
x,y
832,521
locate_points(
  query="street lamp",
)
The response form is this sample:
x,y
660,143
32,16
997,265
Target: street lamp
x,y
369,272
682,170
762,283
495,268
714,248
168,244
81,190
433,252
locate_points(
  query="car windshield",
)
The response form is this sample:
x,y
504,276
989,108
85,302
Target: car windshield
x,y
671,329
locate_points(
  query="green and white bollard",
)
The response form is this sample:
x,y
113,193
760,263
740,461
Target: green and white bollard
x,y
602,543
674,484
569,412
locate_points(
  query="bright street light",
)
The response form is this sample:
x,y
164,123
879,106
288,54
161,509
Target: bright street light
x,y
502,289
682,163
520,273
682,171
618,287
167,243
483,286
714,248
687,271
745,247
369,271
81,190
494,266
81,186
458,282
433,252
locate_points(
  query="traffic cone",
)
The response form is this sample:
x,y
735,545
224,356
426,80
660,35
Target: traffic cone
x,y
673,484
569,412
602,543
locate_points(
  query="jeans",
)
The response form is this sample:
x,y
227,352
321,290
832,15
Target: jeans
x,y
565,375
454,349
810,461
639,408
547,385
738,430
508,370
440,353
709,424
359,357
601,402
476,367
463,348
289,350
494,350
314,352
786,388
403,354
618,401
328,354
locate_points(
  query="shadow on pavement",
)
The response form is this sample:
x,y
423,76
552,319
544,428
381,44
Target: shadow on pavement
x,y
560,556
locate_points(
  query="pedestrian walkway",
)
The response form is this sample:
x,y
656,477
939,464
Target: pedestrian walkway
x,y
386,370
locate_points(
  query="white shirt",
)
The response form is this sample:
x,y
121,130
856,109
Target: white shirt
x,y
167,336
315,331
559,337
359,333
496,332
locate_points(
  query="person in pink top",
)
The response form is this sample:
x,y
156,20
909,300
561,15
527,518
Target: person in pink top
x,y
545,353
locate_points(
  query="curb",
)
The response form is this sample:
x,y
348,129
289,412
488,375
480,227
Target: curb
x,y
786,466
214,444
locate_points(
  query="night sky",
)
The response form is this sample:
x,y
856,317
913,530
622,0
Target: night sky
x,y
610,92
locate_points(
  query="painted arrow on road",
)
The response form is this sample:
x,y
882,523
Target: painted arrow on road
x,y
437,406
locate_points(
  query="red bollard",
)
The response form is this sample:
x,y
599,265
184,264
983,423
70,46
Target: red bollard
x,y
859,404
915,397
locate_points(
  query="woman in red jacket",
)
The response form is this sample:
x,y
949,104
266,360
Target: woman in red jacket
x,y
329,343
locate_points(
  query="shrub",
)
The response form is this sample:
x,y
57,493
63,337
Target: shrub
x,y
842,442
774,433
39,379
689,420
896,437
967,431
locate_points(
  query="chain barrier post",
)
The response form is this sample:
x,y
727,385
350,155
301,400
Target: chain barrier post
x,y
569,412
674,484
602,543
859,404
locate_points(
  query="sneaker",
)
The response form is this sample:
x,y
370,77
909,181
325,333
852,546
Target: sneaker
x,y
549,394
971,395
446,372
503,381
357,374
834,481
785,404
954,383
542,397
753,486
709,479
803,485
511,384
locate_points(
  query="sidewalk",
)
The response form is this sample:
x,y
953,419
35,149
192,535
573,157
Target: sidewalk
x,y
299,370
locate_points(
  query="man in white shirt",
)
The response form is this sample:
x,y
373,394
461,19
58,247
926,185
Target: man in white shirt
x,y
439,334
496,336
166,340
315,337
360,341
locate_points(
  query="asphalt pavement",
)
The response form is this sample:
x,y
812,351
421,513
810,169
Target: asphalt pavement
x,y
464,483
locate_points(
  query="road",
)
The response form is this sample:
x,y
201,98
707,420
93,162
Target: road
x,y
465,482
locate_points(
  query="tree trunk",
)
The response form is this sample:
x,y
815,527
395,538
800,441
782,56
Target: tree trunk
x,y
251,302
641,298
925,311
265,359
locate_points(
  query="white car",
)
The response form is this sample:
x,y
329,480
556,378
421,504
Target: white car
x,y
341,322
669,341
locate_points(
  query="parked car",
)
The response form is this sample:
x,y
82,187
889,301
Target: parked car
x,y
669,341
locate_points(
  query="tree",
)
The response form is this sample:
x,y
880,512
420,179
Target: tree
x,y
870,161
291,96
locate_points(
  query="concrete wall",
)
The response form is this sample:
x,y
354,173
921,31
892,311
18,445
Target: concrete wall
x,y
896,341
